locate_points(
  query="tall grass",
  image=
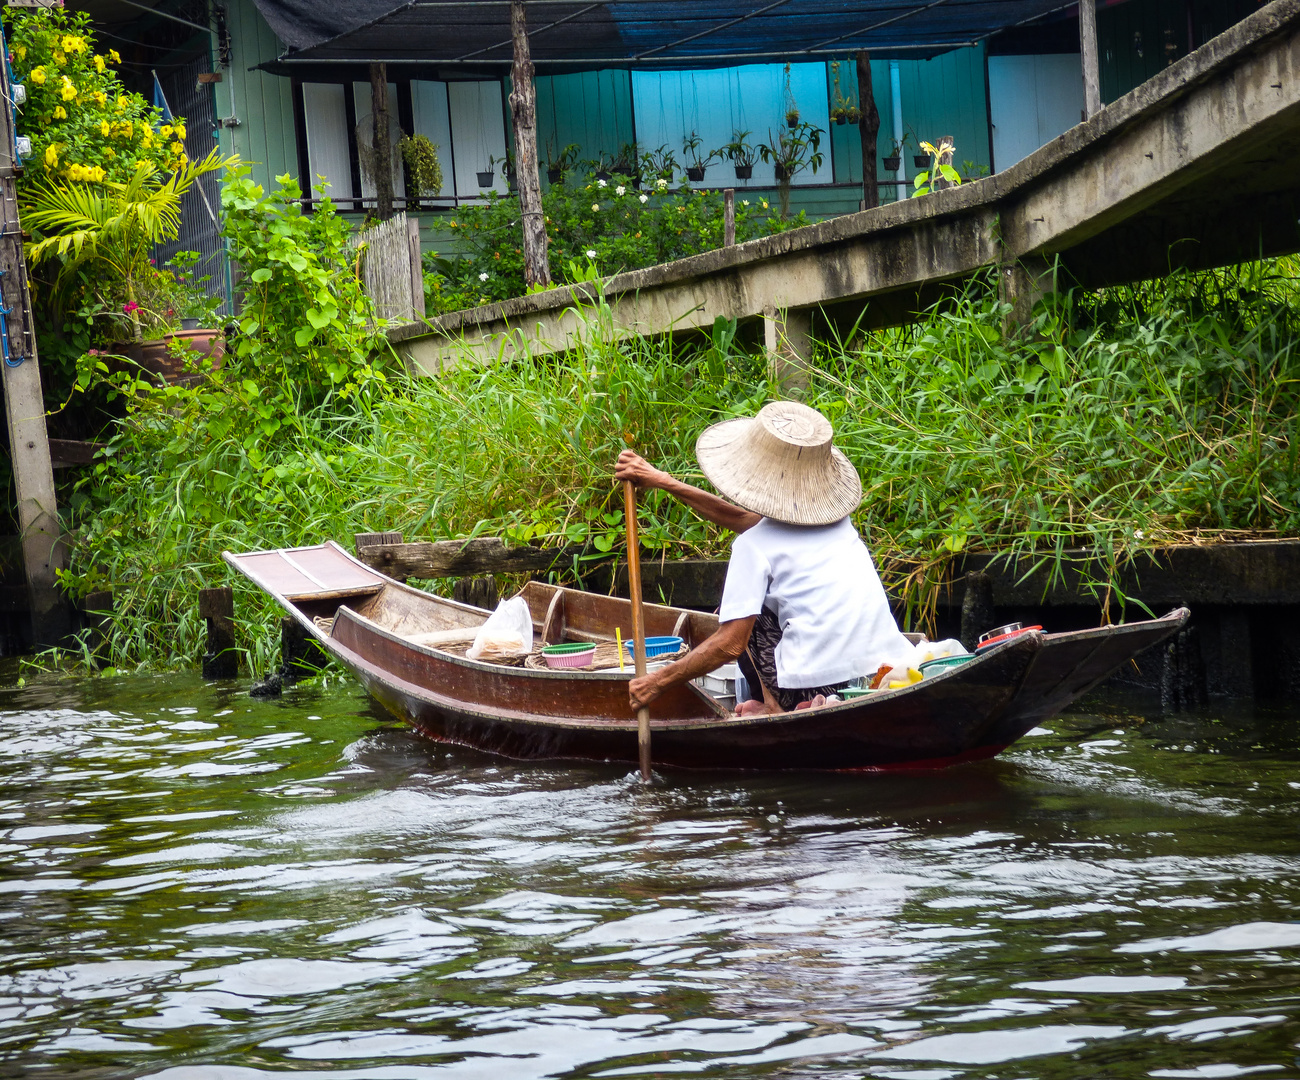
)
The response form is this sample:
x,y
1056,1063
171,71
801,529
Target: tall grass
x,y
1127,419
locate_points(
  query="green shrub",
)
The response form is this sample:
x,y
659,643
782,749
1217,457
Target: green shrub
x,y
605,226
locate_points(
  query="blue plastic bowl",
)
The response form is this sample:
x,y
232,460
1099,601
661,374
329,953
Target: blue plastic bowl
x,y
656,646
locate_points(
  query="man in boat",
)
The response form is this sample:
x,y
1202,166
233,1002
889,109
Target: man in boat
x,y
803,610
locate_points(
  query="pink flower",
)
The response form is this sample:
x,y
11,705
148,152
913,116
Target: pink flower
x,y
93,352
152,263
128,308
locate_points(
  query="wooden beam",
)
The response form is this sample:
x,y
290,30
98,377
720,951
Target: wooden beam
x,y
217,609
464,558
29,446
1088,55
869,128
523,111
382,145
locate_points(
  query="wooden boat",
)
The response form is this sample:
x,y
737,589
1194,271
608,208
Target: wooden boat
x,y
365,621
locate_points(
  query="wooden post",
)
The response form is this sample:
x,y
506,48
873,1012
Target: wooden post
x,y
217,609
977,612
523,111
729,217
417,269
29,446
1088,55
382,144
869,127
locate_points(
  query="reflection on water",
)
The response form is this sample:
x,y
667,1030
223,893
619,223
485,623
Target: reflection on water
x,y
200,885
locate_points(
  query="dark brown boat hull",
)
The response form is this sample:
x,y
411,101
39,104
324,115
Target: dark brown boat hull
x,y
969,712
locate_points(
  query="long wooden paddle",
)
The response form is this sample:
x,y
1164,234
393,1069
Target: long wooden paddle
x,y
638,621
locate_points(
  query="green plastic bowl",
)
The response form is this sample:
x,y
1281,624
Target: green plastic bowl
x,y
851,692
943,663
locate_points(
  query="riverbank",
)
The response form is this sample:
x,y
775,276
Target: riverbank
x,y
1130,419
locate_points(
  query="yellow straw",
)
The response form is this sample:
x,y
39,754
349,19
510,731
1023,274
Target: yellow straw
x,y
618,640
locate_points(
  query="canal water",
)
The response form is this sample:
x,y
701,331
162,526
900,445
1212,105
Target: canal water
x,y
200,885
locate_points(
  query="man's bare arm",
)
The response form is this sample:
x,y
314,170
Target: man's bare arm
x,y
631,466
727,643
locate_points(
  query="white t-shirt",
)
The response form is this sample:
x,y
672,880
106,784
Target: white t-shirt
x,y
820,583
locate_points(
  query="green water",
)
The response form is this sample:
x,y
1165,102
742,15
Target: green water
x,y
199,885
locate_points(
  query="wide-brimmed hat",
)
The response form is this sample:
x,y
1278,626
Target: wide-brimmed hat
x,y
781,464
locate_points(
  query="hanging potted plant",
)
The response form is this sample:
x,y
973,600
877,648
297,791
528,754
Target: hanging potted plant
x,y
423,169
558,164
742,153
791,106
487,175
697,163
659,164
790,153
920,159
894,158
605,166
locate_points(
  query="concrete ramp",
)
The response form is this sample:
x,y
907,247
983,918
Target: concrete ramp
x,y
1198,167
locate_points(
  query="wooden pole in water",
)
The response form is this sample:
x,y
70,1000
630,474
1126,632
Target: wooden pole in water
x,y
638,621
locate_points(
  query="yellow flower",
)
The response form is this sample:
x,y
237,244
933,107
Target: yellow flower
x,y
177,148
100,97
104,129
165,130
99,63
121,104
20,51
38,75
109,152
51,155
59,58
73,44
113,56
180,131
60,113
126,129
68,91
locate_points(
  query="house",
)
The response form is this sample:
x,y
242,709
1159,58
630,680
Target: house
x,y
999,98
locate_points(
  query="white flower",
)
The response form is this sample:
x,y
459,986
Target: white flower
x,y
595,208
591,253
744,202
661,183
600,183
620,190
644,198
483,276
1138,534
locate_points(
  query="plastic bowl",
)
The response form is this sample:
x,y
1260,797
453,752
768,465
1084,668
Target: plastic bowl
x,y
849,693
572,654
656,646
993,642
940,664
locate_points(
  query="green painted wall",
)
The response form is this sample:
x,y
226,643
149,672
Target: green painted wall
x,y
590,108
947,96
263,102
845,141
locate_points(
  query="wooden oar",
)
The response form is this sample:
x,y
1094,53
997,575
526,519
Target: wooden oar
x,y
638,621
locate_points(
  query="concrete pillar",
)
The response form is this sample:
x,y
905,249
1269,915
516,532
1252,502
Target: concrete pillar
x,y
787,337
1022,284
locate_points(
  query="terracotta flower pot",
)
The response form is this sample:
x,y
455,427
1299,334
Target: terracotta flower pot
x,y
204,351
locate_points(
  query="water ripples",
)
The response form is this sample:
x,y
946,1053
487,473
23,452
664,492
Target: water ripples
x,y
201,886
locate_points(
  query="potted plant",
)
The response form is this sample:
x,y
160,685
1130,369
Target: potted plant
x,y
791,106
659,164
845,110
920,159
742,153
605,166
487,175
790,153
627,162
894,158
508,169
423,169
558,164
792,117
940,174
697,163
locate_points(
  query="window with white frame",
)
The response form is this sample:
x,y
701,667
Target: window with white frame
x,y
465,120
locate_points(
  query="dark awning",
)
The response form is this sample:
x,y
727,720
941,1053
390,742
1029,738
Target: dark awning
x,y
666,33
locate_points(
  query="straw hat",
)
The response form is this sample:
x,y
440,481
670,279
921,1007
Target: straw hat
x,y
781,464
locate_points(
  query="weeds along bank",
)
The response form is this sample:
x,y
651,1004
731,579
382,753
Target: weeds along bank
x,y
1133,418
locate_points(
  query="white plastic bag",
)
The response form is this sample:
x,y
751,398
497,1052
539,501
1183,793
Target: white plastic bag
x,y
507,632
905,668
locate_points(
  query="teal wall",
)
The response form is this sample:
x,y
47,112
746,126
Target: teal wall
x,y
947,96
263,102
590,108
